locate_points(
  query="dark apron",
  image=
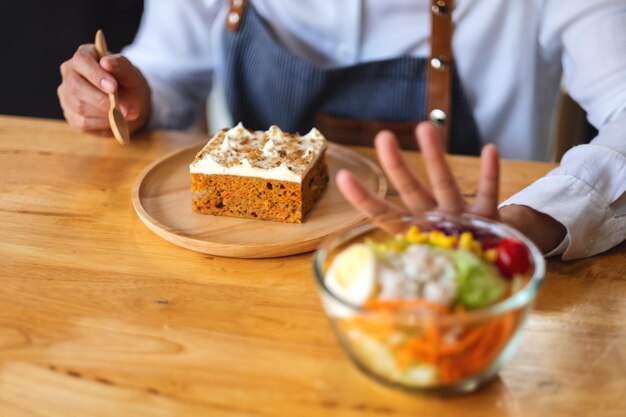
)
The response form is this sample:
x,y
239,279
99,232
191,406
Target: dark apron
x,y
267,85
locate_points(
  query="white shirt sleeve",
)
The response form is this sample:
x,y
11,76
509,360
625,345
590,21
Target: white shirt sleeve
x,y
586,193
173,49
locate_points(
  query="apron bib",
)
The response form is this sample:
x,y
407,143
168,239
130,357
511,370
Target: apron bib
x,y
266,84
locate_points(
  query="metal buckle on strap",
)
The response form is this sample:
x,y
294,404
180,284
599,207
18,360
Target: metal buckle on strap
x,y
439,69
235,13
440,7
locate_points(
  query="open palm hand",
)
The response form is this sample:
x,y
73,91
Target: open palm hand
x,y
445,195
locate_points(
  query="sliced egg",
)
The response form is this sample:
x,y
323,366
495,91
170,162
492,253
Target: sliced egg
x,y
352,274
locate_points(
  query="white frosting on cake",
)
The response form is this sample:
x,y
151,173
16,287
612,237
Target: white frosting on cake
x,y
272,154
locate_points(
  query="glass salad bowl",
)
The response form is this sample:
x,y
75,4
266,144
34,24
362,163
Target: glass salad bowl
x,y
430,303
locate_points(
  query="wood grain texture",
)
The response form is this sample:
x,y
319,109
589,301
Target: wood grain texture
x,y
162,199
101,317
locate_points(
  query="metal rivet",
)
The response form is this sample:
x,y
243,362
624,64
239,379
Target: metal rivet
x,y
439,63
440,8
233,18
437,116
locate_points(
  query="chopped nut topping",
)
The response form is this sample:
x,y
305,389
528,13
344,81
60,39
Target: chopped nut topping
x,y
264,150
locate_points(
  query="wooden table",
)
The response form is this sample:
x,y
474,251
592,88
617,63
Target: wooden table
x,y
100,317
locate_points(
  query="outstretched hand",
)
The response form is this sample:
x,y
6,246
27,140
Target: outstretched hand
x,y
445,195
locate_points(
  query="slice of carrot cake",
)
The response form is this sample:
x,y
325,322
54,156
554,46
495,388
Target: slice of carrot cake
x,y
269,175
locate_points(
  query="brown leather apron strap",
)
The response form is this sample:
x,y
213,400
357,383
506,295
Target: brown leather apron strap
x,y
361,132
234,17
440,66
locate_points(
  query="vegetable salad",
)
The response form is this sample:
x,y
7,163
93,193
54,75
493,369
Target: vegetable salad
x,y
401,289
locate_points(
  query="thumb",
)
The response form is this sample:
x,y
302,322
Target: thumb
x,y
133,86
123,70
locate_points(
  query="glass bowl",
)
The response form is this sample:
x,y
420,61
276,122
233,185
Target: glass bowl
x,y
418,348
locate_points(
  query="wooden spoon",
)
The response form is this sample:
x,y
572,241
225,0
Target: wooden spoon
x,y
116,118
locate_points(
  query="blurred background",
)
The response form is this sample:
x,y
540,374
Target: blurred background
x,y
38,35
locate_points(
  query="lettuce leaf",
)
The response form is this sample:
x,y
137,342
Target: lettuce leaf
x,y
478,282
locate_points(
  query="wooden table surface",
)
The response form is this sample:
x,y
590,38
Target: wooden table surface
x,y
100,317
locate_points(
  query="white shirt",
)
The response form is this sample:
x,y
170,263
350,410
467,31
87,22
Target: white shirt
x,y
510,55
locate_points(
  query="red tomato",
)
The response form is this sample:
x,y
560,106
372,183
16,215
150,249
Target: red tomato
x,y
513,257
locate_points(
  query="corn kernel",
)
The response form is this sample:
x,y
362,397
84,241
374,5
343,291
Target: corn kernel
x,y
477,248
438,238
413,235
398,246
412,232
491,255
466,241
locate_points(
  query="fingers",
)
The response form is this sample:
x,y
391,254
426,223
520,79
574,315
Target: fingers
x,y
486,204
84,104
86,123
134,97
447,196
85,62
87,109
377,209
411,190
130,111
80,107
122,69
76,89
442,182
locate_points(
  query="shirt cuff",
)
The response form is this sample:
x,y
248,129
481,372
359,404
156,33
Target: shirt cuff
x,y
591,227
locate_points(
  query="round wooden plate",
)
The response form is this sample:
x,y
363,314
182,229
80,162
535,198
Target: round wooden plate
x,y
162,199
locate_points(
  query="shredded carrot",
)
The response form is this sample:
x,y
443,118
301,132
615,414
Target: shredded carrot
x,y
395,305
487,341
376,328
404,357
472,351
